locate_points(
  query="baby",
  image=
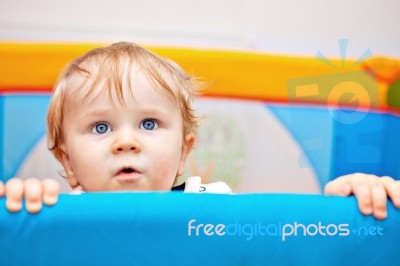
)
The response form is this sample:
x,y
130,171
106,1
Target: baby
x,y
121,119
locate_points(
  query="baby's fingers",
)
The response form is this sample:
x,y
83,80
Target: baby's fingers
x,y
2,189
363,193
33,195
379,200
14,190
339,187
51,189
393,189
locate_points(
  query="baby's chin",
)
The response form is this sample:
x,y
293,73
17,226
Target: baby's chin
x,y
128,187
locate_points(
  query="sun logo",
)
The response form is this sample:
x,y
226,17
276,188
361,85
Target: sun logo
x,y
348,94
343,51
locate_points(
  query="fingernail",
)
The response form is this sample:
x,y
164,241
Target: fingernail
x,y
13,206
380,214
397,203
50,199
33,207
367,210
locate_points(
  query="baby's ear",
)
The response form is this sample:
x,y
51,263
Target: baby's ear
x,y
190,143
64,159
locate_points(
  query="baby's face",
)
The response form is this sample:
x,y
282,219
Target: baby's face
x,y
137,146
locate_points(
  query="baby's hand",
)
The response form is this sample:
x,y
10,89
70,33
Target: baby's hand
x,y
371,192
35,191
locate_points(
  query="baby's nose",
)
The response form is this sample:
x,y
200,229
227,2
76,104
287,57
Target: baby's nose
x,y
127,143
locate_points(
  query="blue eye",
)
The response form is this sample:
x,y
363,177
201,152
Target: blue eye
x,y
148,124
101,128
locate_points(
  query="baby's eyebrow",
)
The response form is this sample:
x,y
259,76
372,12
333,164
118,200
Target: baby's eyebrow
x,y
152,111
86,116
95,113
142,111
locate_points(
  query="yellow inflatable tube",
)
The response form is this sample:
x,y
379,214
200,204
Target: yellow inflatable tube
x,y
35,67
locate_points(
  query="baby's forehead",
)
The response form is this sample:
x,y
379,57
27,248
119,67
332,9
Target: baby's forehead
x,y
119,86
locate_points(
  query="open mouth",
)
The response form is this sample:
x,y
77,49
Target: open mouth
x,y
126,174
127,171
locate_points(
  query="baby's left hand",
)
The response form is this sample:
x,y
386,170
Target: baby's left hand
x,y
371,192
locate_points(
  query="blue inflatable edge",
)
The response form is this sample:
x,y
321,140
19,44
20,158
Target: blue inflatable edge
x,y
198,229
23,125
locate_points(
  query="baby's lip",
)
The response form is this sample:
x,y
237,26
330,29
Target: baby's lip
x,y
127,174
126,170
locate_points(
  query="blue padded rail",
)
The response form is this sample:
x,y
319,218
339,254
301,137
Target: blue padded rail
x,y
153,229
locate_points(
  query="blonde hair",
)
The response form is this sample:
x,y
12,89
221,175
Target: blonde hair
x,y
109,66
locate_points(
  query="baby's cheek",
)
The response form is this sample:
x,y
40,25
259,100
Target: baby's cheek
x,y
85,166
164,173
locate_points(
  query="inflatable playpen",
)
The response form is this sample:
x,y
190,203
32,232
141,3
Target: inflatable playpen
x,y
275,128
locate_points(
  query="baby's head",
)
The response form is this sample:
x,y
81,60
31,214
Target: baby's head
x,y
121,118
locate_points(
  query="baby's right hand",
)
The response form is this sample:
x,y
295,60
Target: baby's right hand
x,y
35,191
